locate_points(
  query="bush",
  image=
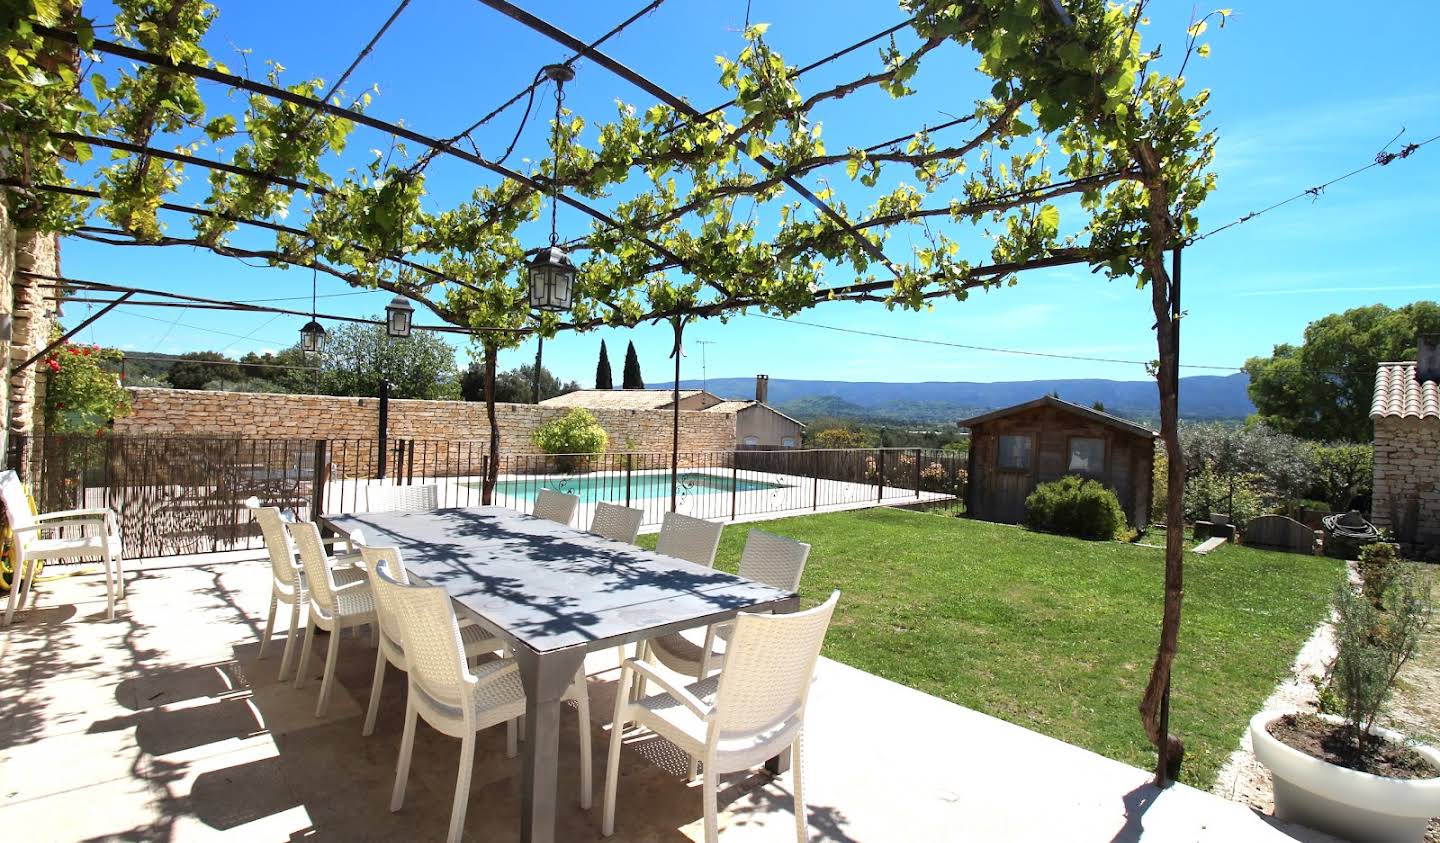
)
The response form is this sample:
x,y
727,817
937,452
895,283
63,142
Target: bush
x,y
1208,491
1075,507
575,433
1379,567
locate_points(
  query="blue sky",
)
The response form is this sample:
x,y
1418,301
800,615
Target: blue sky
x,y
1294,108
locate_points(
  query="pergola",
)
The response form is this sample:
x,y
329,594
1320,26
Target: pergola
x,y
1071,79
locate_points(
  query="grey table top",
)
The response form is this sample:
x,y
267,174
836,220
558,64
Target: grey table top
x,y
548,586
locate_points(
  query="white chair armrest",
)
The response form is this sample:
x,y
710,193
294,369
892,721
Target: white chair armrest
x,y
68,522
512,667
74,513
681,695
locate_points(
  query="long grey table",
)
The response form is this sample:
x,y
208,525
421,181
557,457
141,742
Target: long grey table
x,y
555,593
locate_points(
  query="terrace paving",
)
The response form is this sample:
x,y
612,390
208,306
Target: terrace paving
x,y
162,725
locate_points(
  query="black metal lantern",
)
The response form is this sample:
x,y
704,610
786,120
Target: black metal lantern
x,y
398,315
552,280
312,336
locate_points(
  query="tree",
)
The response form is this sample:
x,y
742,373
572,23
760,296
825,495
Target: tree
x,y
838,437
289,370
1343,472
194,370
515,386
633,380
1322,389
357,356
1098,405
604,376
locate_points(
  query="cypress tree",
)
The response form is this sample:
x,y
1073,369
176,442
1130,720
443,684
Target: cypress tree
x,y
604,377
632,370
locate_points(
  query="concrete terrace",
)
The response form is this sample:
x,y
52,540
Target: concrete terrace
x,y
161,725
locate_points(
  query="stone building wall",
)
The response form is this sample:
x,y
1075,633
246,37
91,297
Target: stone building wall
x,y
1407,481
32,310
179,412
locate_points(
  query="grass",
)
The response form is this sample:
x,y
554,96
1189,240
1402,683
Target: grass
x,y
1057,634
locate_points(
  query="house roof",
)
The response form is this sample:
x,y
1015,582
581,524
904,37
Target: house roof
x,y
737,406
619,399
1059,403
1398,395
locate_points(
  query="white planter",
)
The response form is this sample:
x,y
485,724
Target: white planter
x,y
1348,803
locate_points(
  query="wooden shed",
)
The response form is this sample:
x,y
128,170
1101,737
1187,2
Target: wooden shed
x,y
1015,449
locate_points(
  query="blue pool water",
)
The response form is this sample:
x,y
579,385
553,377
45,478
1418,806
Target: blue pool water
x,y
611,487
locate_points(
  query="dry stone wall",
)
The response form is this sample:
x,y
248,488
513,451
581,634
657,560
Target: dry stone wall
x,y
179,412
1407,481
31,308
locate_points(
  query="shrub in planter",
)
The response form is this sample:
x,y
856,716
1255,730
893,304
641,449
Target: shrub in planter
x,y
1072,506
572,437
1339,772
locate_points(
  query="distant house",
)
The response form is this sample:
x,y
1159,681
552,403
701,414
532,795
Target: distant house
x,y
1015,449
1406,412
757,424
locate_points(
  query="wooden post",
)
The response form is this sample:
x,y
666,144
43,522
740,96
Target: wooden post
x,y
679,324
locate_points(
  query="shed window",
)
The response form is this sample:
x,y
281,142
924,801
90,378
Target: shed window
x,y
788,442
1087,455
752,441
1014,452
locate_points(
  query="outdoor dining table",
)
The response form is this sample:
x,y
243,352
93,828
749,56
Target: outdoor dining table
x,y
555,593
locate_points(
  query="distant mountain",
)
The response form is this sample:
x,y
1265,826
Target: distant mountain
x,y
1201,397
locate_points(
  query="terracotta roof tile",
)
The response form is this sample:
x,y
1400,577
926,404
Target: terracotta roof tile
x,y
1398,395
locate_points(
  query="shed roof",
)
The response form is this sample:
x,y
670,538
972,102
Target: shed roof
x,y
737,406
1059,403
1398,395
619,399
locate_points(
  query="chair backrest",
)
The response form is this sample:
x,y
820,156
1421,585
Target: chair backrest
x,y
277,543
615,522
769,663
434,652
556,506
387,573
17,506
318,577
402,498
774,560
692,539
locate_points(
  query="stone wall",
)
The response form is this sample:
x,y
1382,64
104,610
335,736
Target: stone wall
x,y
32,310
1407,481
180,412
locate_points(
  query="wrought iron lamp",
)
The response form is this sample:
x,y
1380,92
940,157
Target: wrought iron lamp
x,y
551,274
398,315
312,335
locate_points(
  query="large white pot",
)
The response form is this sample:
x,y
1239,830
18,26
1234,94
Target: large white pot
x,y
1348,803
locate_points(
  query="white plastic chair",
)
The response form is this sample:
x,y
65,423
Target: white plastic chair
x,y
770,559
333,607
287,580
402,498
556,506
99,538
456,700
617,523
692,539
752,711
391,649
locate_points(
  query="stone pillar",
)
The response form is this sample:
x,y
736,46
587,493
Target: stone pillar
x,y
34,313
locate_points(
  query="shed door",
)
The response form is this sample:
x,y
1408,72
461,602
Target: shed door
x,y
1009,491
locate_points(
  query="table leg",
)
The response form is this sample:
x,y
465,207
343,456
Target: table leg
x,y
545,676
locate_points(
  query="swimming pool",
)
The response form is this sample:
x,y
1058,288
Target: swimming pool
x,y
611,487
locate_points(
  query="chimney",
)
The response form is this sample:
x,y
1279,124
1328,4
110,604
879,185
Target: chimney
x,y
762,388
1427,358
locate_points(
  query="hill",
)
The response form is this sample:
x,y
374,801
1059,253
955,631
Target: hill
x,y
1201,397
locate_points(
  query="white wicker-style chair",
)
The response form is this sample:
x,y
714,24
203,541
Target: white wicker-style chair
x,y
456,700
769,559
391,649
556,506
753,710
692,539
98,538
287,580
617,523
333,607
387,498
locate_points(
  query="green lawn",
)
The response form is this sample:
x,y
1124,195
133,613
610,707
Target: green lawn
x,y
1052,633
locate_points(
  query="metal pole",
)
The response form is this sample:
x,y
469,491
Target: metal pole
x,y
917,472
880,473
679,323
384,425
539,350
70,333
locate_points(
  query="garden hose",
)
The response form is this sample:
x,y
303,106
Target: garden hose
x,y
1352,526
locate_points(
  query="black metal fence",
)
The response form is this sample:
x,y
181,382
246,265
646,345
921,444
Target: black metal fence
x,y
177,495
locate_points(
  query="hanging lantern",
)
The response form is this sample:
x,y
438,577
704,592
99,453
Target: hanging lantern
x,y
398,315
552,280
312,336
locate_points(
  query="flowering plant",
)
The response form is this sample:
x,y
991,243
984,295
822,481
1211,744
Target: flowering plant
x,y
81,396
